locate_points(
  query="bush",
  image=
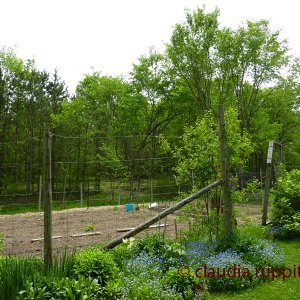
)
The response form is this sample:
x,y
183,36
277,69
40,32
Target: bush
x,y
264,254
208,228
121,254
238,242
141,279
144,288
197,252
259,252
184,284
286,204
96,263
170,253
228,271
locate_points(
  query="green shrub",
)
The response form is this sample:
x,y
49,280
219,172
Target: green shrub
x,y
121,254
208,228
229,272
264,254
286,203
96,263
237,242
258,252
141,279
184,284
169,252
152,244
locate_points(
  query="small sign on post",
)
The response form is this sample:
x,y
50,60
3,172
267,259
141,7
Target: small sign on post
x,y
267,183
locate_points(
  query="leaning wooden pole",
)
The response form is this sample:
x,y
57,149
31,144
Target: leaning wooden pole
x,y
161,215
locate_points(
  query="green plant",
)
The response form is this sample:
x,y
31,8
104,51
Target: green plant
x,y
168,251
90,227
96,263
208,227
286,203
227,271
141,279
64,288
14,271
237,242
121,254
1,242
185,284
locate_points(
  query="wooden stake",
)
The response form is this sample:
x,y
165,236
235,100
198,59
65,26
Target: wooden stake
x,y
40,192
165,227
175,224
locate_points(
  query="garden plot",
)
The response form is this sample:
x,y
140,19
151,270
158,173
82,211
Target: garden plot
x,y
77,228
73,229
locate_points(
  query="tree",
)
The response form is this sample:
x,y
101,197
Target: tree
x,y
28,98
193,56
221,65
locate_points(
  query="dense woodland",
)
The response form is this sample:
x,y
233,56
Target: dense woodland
x,y
161,121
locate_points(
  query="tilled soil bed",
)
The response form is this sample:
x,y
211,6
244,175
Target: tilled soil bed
x,y
77,228
73,228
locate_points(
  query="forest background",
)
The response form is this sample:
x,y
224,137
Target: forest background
x,y
160,122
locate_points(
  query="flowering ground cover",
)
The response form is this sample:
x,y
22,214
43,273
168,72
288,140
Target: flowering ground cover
x,y
244,267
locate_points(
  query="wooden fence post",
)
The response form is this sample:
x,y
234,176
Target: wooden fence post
x,y
81,194
228,228
48,203
40,192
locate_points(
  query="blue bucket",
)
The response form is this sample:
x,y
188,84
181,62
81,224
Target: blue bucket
x,y
129,207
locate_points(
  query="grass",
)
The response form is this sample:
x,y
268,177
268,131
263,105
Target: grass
x,y
11,209
16,271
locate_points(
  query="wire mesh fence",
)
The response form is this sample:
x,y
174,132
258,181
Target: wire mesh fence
x,y
90,187
92,181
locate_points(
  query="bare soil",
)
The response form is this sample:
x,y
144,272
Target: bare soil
x,y
21,230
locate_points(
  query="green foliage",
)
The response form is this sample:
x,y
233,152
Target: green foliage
x,y
1,242
198,157
96,263
237,242
15,271
142,278
286,203
206,228
169,252
185,285
65,288
258,252
121,253
90,227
